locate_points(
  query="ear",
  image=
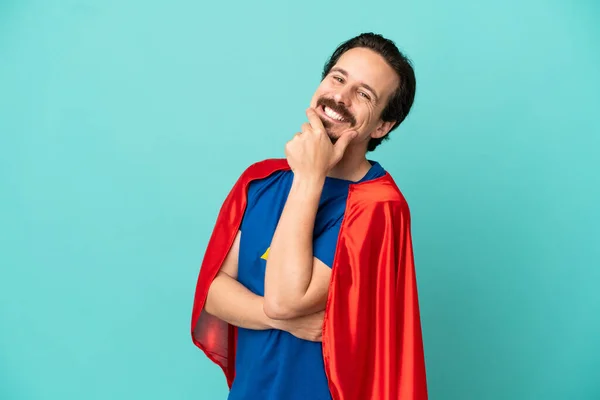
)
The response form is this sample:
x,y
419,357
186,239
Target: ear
x,y
382,129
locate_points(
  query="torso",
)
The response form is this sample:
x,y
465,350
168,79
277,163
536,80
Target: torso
x,y
273,364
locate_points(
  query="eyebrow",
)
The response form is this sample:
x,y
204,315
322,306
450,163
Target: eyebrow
x,y
369,88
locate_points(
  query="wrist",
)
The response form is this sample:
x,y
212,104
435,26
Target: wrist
x,y
311,183
275,324
279,324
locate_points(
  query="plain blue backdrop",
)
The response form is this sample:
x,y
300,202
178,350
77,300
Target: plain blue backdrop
x,y
123,124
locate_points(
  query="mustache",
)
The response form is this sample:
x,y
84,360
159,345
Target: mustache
x,y
338,108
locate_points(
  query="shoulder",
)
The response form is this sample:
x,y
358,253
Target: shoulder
x,y
377,195
262,169
266,167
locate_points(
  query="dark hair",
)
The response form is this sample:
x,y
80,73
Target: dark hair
x,y
401,100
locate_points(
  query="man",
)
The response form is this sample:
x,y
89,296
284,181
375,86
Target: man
x,y
307,289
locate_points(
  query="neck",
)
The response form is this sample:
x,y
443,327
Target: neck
x,y
353,166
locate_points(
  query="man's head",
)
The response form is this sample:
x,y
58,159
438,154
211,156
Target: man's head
x,y
368,85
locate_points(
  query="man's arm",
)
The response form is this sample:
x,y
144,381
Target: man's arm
x,y
296,283
233,303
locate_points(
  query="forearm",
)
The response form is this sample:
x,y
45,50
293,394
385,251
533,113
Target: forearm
x,y
290,263
233,303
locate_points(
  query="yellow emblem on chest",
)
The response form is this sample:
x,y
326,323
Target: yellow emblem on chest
x,y
266,255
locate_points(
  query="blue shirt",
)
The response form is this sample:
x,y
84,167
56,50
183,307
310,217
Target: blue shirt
x,y
273,364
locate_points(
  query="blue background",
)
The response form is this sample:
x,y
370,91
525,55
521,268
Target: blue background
x,y
123,124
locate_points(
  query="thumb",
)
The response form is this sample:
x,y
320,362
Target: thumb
x,y
342,143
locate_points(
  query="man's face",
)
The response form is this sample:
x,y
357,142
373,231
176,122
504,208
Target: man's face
x,y
354,94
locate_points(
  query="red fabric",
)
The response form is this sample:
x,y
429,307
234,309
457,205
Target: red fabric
x,y
372,344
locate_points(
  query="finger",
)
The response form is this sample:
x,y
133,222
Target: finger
x,y
306,127
295,137
315,121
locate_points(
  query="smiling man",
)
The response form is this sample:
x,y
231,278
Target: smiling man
x,y
307,289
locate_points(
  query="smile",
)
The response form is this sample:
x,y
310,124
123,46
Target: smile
x,y
332,114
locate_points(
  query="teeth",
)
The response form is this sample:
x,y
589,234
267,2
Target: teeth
x,y
333,114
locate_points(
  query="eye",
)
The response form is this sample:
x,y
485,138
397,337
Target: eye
x,y
363,94
339,79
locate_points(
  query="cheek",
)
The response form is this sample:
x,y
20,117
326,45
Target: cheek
x,y
318,94
368,114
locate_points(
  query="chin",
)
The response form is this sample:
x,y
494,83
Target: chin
x,y
333,137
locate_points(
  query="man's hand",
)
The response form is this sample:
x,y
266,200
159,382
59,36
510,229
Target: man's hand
x,y
309,327
311,153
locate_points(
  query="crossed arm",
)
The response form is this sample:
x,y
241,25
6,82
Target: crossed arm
x,y
231,301
296,283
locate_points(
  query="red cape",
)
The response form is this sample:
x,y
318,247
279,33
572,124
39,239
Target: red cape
x,y
372,344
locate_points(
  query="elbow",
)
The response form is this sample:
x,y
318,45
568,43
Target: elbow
x,y
209,306
279,309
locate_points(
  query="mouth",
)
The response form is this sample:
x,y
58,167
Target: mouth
x,y
332,115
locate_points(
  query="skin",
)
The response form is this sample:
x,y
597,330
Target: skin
x,y
296,283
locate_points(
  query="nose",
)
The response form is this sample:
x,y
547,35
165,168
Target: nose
x,y
342,96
